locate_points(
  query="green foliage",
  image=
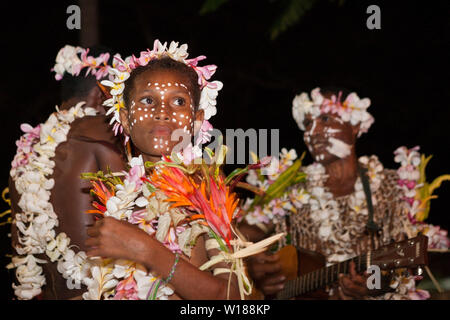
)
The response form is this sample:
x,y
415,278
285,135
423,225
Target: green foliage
x,y
211,6
292,12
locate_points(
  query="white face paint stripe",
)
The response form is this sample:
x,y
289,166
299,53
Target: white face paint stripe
x,y
331,130
339,148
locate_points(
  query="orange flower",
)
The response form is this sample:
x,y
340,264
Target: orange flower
x,y
213,202
103,194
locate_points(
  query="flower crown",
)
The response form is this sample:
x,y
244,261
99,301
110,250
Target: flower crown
x,y
352,110
121,70
73,59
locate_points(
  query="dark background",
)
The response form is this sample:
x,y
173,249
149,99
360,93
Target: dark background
x,y
402,68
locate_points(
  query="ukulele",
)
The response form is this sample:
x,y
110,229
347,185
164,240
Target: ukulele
x,y
305,275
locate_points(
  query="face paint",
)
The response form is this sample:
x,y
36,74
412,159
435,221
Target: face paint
x,y
166,104
339,148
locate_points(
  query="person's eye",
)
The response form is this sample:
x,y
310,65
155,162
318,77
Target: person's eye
x,y
307,123
147,101
179,101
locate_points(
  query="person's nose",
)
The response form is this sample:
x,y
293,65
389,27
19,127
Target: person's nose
x,y
162,113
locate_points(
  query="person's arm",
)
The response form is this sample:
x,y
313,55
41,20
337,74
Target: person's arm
x,y
121,240
254,233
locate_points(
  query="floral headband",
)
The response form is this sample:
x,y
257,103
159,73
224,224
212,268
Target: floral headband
x,y
121,70
352,110
73,59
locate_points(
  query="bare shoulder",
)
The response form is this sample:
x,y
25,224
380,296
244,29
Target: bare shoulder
x,y
92,127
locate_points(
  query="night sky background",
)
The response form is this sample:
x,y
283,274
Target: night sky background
x,y
402,68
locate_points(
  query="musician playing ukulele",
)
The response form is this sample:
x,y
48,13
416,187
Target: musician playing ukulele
x,y
329,212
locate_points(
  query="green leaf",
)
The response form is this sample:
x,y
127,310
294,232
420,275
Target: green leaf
x,y
222,245
211,6
292,13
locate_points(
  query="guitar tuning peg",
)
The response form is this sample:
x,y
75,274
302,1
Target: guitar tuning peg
x,y
419,271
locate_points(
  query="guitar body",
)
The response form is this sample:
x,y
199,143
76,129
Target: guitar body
x,y
307,273
298,262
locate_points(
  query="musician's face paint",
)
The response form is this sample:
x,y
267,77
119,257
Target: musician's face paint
x,y
328,138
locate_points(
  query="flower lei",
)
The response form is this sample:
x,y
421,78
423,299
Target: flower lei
x,y
325,212
353,109
122,68
417,195
72,60
172,206
324,208
31,168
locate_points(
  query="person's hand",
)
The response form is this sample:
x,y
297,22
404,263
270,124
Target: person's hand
x,y
117,239
353,286
265,270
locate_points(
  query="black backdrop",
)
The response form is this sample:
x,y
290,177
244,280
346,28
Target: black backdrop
x,y
403,68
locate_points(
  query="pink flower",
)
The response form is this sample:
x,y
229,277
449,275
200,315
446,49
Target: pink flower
x,y
204,135
204,73
33,132
139,217
437,237
418,294
170,241
127,289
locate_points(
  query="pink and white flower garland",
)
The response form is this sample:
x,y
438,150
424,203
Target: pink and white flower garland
x,y
72,60
352,109
121,70
409,175
31,170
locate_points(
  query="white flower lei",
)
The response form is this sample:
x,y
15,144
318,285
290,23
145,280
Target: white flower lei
x,y
153,216
353,109
324,209
31,169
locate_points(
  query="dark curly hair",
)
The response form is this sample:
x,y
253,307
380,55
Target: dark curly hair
x,y
165,63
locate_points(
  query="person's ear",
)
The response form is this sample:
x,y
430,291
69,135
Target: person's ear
x,y
198,120
95,100
124,120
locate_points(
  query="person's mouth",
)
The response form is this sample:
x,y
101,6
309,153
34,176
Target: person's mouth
x,y
161,130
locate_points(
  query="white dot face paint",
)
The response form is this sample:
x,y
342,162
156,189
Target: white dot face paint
x,y
162,109
339,148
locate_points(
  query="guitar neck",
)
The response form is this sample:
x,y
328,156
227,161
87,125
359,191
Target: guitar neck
x,y
321,277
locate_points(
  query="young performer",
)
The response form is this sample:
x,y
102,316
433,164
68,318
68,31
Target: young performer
x,y
329,212
48,196
167,229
